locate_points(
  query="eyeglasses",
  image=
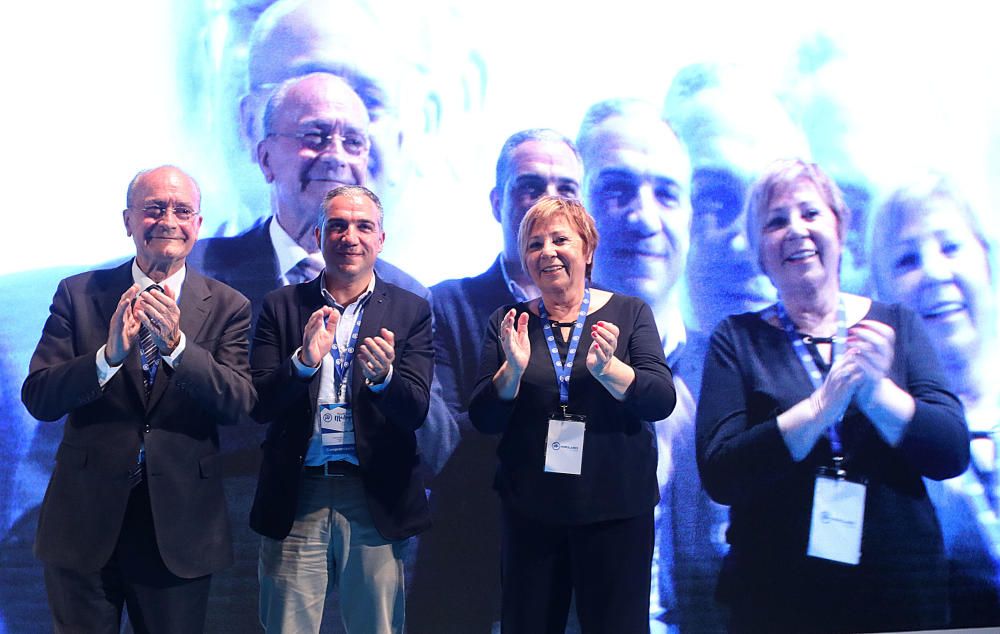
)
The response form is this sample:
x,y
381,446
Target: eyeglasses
x,y
354,143
157,211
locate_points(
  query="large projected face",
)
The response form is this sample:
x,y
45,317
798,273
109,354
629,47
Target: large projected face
x,y
729,143
536,168
636,187
296,37
935,263
316,141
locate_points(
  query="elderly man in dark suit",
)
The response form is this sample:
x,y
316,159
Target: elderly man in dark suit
x,y
343,365
145,360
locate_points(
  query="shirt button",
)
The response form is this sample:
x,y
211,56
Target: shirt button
x,y
148,428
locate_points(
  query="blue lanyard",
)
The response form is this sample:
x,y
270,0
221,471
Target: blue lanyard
x,y
341,364
815,376
563,370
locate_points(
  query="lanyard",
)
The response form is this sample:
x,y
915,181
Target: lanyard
x,y
563,370
815,376
341,364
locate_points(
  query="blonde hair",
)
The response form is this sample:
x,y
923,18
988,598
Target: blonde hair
x,y
549,207
777,179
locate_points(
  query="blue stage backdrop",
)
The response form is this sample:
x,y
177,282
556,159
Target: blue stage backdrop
x,y
898,103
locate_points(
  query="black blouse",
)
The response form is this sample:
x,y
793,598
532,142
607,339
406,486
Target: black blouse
x,y
618,474
751,376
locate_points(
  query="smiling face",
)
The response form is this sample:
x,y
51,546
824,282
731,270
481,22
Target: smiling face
x,y
555,256
936,265
163,219
636,186
800,246
351,237
301,172
295,38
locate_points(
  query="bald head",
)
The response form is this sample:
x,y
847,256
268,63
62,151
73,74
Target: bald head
x,y
317,90
164,170
297,37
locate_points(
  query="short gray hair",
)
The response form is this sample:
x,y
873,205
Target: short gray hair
x,y
349,190
617,107
532,134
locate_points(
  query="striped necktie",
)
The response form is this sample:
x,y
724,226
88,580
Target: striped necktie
x,y
150,358
305,271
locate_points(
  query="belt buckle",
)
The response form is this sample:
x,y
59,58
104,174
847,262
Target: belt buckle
x,y
328,474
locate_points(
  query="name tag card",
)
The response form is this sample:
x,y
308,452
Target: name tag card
x,y
336,425
837,520
564,446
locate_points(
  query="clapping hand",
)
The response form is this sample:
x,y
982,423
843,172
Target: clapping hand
x,y
841,383
123,328
514,340
157,310
377,355
319,336
601,353
872,345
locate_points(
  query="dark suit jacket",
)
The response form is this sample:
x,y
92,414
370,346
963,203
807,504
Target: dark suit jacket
x,y
247,263
384,423
461,309
87,495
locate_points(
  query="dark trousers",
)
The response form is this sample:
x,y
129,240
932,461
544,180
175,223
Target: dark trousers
x,y
606,564
136,577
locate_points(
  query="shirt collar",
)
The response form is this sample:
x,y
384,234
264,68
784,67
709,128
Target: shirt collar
x,y
672,332
288,251
356,303
174,282
513,287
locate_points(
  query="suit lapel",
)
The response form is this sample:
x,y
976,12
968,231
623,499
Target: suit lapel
x,y
195,306
259,272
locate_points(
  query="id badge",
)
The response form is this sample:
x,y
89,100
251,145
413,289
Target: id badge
x,y
838,515
564,444
336,425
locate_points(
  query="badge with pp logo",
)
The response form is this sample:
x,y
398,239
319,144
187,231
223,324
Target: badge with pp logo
x,y
336,425
838,518
564,444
